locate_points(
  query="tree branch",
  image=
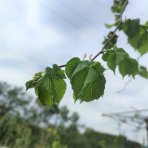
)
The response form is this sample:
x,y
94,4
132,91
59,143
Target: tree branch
x,y
61,66
113,34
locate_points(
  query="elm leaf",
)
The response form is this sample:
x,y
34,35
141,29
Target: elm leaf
x,y
137,35
50,87
143,72
71,65
114,57
128,66
87,80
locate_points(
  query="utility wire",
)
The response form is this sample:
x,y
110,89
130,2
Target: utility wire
x,y
76,12
98,3
85,19
113,32
136,120
127,112
53,11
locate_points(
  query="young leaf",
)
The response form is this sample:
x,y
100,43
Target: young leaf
x,y
137,35
32,83
44,91
100,69
87,80
110,41
143,72
29,84
50,87
51,90
94,86
55,72
109,25
128,66
71,66
114,57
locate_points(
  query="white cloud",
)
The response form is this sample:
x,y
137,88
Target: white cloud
x,y
32,37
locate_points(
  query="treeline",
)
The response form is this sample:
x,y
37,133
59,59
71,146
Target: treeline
x,y
26,124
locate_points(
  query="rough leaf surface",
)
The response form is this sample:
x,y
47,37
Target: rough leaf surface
x,y
50,87
87,79
137,35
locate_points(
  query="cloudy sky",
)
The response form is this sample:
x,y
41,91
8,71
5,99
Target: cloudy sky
x,y
38,33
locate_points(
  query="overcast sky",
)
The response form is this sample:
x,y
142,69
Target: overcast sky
x,y
38,33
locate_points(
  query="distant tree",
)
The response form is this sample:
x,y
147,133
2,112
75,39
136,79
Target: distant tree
x,y
23,125
21,120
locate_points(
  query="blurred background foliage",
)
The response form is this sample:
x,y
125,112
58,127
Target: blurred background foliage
x,y
25,124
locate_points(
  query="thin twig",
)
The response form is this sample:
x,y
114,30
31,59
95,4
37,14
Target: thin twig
x,y
61,66
113,34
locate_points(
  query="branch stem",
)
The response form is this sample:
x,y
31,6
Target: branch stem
x,y
113,34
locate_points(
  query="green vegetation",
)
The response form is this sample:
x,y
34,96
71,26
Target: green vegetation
x,y
25,124
87,76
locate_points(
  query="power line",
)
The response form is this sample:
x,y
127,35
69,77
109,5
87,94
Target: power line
x,y
69,22
85,19
127,112
76,12
136,119
97,2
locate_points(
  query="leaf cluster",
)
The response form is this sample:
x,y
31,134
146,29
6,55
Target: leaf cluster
x,y
87,79
137,35
119,57
49,86
87,76
118,7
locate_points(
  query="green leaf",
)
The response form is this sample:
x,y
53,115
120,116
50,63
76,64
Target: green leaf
x,y
137,35
58,88
34,81
105,56
128,66
87,80
37,76
94,86
110,41
71,66
97,65
114,57
82,65
131,27
78,77
118,57
50,87
55,72
118,7
143,72
109,25
51,90
111,61
29,84
45,91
